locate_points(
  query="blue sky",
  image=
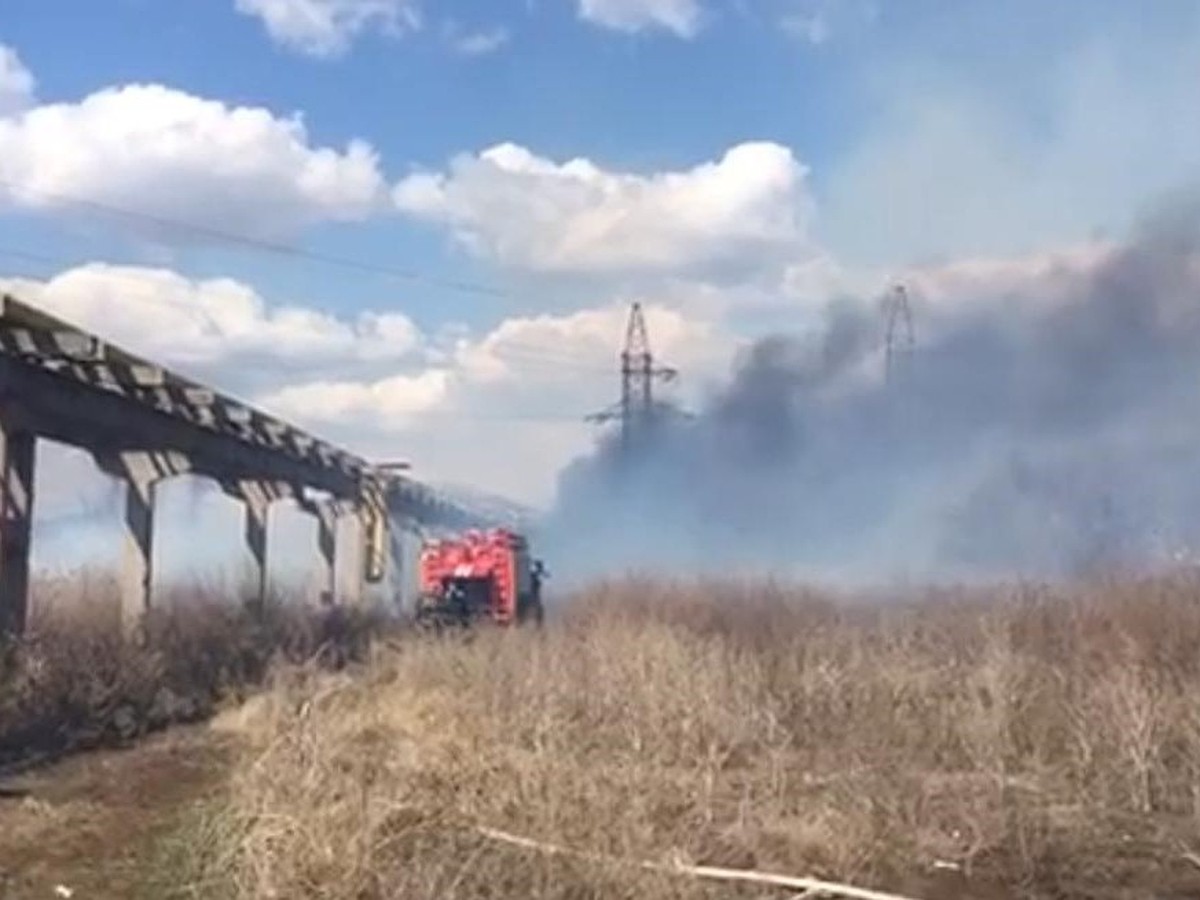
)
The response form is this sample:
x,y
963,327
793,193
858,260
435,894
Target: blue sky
x,y
641,101
736,164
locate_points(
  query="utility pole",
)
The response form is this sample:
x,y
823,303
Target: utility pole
x,y
637,407
899,334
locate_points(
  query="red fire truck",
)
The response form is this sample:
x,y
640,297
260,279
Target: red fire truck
x,y
480,575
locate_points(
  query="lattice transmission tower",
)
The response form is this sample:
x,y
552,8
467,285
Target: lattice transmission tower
x,y
899,333
638,407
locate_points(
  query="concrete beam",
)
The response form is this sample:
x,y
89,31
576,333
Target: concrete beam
x,y
91,417
50,343
18,450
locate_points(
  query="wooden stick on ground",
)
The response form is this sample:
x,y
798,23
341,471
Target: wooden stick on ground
x,y
809,887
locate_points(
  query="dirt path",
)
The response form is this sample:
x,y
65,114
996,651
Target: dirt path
x,y
90,826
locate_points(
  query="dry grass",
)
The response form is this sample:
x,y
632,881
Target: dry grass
x,y
75,681
1022,742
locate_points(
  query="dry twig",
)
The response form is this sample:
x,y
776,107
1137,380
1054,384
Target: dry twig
x,y
809,887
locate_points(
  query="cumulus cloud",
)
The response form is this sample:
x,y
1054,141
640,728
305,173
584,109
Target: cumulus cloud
x,y
501,407
586,341
327,28
523,389
16,82
171,155
504,408
391,400
750,206
524,367
681,17
219,328
480,42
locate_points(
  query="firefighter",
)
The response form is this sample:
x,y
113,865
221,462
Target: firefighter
x,y
537,574
456,601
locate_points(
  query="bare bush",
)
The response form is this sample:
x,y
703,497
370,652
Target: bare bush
x,y
1029,741
76,680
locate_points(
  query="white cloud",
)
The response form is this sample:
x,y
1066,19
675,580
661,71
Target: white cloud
x,y
584,341
524,388
682,17
16,82
326,28
169,154
810,27
478,43
211,324
392,400
503,409
818,21
750,206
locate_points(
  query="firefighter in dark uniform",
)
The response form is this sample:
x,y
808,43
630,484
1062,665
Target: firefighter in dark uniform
x,y
537,575
456,602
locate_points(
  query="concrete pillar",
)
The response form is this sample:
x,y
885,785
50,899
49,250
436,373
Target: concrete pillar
x,y
327,545
141,470
17,456
353,550
399,591
373,522
257,502
137,566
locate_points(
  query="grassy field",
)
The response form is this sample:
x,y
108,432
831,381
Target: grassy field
x,y
1017,742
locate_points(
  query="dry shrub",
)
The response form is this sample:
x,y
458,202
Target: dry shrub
x,y
1031,741
75,680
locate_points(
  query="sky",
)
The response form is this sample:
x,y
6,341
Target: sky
x,y
415,226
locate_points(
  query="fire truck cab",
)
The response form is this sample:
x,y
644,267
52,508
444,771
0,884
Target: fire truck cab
x,y
480,575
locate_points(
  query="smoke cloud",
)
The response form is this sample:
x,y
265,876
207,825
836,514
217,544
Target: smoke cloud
x,y
1043,433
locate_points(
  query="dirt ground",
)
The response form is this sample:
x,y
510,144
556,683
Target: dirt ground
x,y
91,826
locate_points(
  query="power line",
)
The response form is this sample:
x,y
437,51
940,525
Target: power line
x,y
530,354
36,257
481,416
510,351
230,237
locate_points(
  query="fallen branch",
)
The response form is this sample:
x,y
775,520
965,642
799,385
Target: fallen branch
x,y
810,887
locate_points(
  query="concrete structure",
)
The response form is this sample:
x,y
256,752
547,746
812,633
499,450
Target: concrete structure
x,y
143,424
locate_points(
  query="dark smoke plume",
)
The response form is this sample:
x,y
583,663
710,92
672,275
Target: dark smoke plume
x,y
1044,436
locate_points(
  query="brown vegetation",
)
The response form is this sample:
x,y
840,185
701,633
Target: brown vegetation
x,y
1033,741
76,681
